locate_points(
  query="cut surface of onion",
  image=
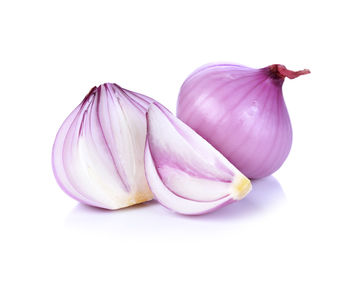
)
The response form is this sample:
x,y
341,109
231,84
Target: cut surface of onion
x,y
185,173
98,154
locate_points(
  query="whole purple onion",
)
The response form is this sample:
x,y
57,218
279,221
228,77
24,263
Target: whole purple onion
x,y
241,112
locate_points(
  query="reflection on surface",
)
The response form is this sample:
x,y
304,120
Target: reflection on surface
x,y
84,217
267,196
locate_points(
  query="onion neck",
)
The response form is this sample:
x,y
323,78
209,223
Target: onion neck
x,y
279,71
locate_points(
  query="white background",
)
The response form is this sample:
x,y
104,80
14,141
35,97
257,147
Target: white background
x,y
293,228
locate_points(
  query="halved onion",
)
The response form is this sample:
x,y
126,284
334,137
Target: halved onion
x,y
98,154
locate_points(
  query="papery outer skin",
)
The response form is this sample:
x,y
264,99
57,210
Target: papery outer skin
x,y
98,154
184,172
241,112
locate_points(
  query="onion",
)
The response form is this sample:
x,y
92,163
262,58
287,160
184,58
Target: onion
x,y
185,173
98,154
241,112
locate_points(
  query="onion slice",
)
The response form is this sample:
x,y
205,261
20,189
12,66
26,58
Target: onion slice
x,y
185,173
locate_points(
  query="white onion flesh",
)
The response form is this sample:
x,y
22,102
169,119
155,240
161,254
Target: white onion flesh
x,y
185,173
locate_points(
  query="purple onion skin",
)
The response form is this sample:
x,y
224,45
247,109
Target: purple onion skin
x,y
242,113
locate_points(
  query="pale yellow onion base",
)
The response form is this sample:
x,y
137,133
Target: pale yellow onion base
x,y
241,186
133,199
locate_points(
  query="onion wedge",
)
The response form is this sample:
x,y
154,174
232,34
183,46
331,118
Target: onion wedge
x,y
185,173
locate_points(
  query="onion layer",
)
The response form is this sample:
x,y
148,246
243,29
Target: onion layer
x,y
185,173
98,154
241,112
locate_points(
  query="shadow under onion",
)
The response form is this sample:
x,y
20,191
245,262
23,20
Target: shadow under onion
x,y
150,217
